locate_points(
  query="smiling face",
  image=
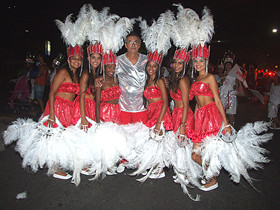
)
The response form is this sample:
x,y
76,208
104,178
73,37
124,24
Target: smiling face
x,y
152,68
110,70
75,61
178,65
132,44
199,64
228,66
95,60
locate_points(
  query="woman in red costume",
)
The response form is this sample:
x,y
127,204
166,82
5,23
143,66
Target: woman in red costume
x,y
210,113
62,94
85,104
155,93
107,96
182,115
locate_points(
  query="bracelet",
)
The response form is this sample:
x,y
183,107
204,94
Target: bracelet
x,y
225,126
183,123
51,120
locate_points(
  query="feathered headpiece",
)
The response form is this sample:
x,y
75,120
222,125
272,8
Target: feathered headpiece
x,y
96,20
203,32
157,36
182,32
73,33
112,35
228,57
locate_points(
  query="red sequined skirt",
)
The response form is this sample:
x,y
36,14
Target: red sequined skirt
x,y
177,115
63,110
208,121
153,112
89,110
110,112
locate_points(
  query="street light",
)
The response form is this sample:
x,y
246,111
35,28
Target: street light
x,y
274,30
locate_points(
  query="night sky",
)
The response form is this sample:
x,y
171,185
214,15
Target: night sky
x,y
243,26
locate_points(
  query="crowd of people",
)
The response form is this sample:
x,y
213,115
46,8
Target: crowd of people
x,y
115,113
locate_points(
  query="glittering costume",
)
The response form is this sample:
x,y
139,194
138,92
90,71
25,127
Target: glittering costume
x,y
154,109
208,119
274,99
228,95
40,145
110,112
63,108
89,108
177,115
236,157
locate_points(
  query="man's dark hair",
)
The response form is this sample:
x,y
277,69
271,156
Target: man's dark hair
x,y
132,34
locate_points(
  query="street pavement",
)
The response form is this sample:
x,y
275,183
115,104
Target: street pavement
x,y
124,192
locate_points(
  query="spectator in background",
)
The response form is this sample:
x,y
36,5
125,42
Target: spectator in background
x,y
40,80
274,99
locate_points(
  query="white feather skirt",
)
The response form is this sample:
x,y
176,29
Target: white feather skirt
x,y
244,153
39,145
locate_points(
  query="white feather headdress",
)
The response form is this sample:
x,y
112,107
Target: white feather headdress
x,y
203,29
157,36
96,20
113,33
73,33
184,27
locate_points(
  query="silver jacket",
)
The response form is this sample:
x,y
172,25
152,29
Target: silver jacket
x,y
132,80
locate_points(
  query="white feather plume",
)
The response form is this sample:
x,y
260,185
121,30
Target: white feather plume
x,y
157,36
112,33
184,27
74,33
96,20
202,29
206,26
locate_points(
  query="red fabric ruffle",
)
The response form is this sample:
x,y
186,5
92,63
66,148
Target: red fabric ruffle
x,y
208,121
63,110
177,115
153,112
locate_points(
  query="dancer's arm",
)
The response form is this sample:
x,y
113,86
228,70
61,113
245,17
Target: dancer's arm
x,y
97,103
57,81
214,88
83,88
184,87
165,103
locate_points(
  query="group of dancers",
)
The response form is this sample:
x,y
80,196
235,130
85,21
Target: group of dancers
x,y
115,115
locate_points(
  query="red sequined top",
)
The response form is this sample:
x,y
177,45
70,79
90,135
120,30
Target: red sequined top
x,y
176,96
201,89
111,93
152,92
69,87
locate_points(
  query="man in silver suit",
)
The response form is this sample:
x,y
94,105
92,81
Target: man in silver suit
x,y
132,77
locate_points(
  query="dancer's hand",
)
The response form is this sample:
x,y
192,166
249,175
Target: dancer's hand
x,y
227,128
182,130
51,122
98,82
84,124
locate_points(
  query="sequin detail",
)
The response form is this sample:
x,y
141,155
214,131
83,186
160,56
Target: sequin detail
x,y
69,87
111,93
152,92
200,88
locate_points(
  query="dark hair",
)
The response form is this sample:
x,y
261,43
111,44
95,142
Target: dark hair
x,y
148,79
70,72
132,34
92,76
174,81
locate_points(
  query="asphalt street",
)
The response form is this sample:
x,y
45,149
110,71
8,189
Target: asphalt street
x,y
124,192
